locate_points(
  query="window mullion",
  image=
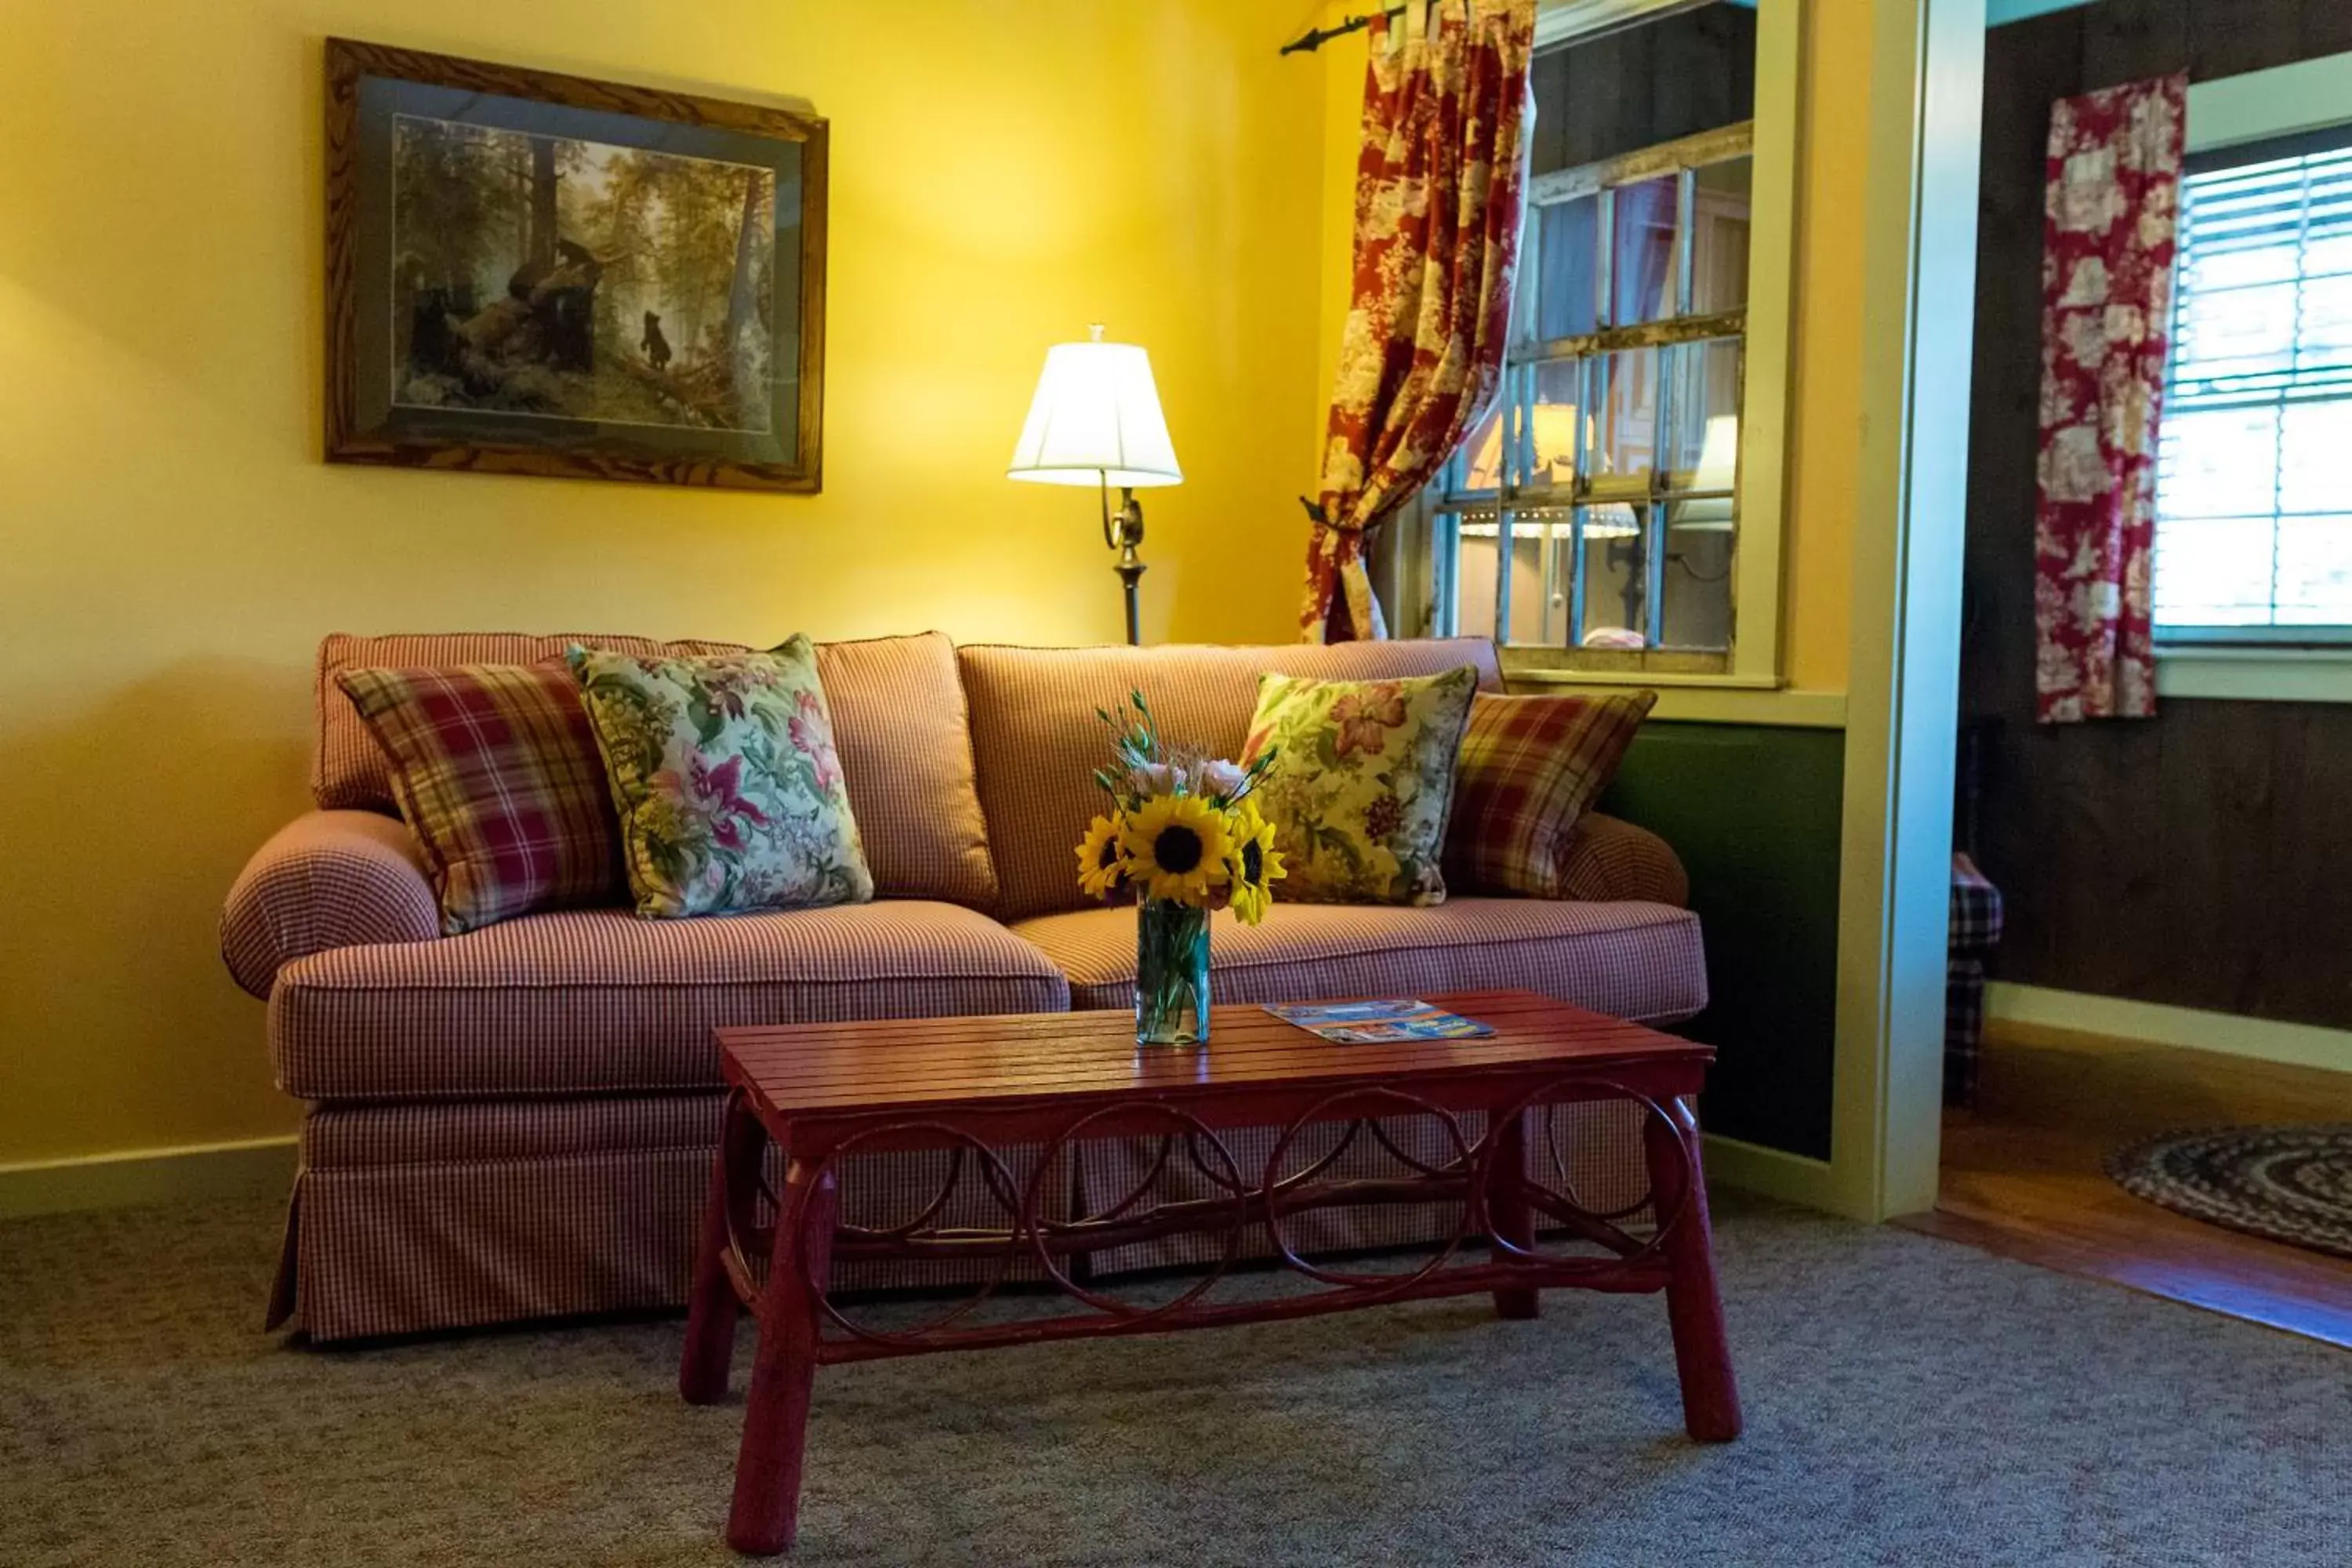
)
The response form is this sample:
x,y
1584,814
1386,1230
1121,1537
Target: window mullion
x,y
1663,442
2294,363
1604,233
1686,241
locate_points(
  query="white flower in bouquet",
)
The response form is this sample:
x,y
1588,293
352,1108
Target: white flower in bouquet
x,y
1222,779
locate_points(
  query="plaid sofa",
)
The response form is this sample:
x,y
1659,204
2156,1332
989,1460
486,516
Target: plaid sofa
x,y
519,1121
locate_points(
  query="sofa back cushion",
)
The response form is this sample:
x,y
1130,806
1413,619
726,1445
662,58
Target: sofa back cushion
x,y
899,722
1039,741
904,734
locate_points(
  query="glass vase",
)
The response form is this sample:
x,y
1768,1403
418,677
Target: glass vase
x,y
1172,973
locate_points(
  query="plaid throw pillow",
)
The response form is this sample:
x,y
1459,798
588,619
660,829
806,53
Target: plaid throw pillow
x,y
1530,768
496,771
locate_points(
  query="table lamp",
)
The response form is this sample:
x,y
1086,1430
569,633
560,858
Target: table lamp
x,y
1095,421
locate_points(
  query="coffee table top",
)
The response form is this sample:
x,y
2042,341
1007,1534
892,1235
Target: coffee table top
x,y
903,1064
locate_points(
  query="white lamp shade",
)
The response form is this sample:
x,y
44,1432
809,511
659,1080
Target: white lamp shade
x,y
1719,469
1096,420
1718,454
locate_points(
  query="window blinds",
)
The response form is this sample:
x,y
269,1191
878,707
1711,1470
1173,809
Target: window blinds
x,y
2254,459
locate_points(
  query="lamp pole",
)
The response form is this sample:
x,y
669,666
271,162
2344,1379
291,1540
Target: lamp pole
x,y
1123,530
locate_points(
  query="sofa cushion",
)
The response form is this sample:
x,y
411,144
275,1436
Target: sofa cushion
x,y
898,720
901,725
1633,961
592,1000
1034,733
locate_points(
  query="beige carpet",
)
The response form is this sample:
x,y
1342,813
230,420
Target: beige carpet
x,y
1910,1402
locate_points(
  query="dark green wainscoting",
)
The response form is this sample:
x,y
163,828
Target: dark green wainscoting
x,y
1753,812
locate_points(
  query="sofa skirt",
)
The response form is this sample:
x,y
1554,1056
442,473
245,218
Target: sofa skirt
x,y
419,1217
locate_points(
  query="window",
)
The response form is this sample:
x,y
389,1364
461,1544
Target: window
x,y
1615,518
1606,473
2253,539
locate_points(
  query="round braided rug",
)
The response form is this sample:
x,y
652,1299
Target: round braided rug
x,y
2287,1184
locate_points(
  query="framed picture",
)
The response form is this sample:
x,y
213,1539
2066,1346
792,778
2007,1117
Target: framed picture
x,y
541,274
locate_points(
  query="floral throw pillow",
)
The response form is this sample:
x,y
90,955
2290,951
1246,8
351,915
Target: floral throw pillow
x,y
1358,790
723,771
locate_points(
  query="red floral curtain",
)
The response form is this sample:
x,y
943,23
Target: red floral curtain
x,y
1437,230
2109,215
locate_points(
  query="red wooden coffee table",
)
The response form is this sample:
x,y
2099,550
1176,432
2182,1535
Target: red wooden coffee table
x,y
823,1091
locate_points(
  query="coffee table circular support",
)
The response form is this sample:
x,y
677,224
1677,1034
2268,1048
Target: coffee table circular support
x,y
1192,1129
1000,1183
1351,1103
1668,1200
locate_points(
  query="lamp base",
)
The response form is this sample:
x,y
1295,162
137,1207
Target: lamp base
x,y
1130,571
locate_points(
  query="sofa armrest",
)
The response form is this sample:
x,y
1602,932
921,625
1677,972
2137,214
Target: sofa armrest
x,y
1611,859
326,879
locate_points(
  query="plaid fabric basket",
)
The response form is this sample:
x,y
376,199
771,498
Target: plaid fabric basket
x,y
1975,933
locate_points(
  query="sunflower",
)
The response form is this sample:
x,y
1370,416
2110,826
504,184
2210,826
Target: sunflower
x,y
1101,867
1175,846
1252,863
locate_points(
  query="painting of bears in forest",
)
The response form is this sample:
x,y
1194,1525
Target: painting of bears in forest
x,y
535,273
539,275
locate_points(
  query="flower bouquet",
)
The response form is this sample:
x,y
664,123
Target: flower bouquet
x,y
1184,838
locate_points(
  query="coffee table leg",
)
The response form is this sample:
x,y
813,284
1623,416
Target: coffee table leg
x,y
1693,1309
1508,1211
712,1307
766,1514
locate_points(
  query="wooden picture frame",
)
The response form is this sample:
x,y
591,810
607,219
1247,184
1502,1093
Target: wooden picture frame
x,y
467,329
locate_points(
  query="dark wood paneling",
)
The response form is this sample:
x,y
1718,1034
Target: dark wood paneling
x,y
1668,79
2202,858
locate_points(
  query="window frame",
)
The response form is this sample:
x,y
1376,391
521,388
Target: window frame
x,y
2226,112
1591,356
1758,589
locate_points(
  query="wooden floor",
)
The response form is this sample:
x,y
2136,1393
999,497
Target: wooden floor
x,y
2022,1173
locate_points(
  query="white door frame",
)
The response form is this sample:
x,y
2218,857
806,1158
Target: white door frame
x,y
1902,688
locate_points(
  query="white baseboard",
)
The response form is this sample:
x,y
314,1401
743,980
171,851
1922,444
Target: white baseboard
x,y
1771,1172
2266,1040
254,1166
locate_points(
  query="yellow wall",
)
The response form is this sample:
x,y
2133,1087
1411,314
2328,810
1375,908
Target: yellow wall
x,y
1825,411
1001,175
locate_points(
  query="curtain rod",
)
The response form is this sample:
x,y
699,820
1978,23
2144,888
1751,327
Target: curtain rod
x,y
1594,19
1315,39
